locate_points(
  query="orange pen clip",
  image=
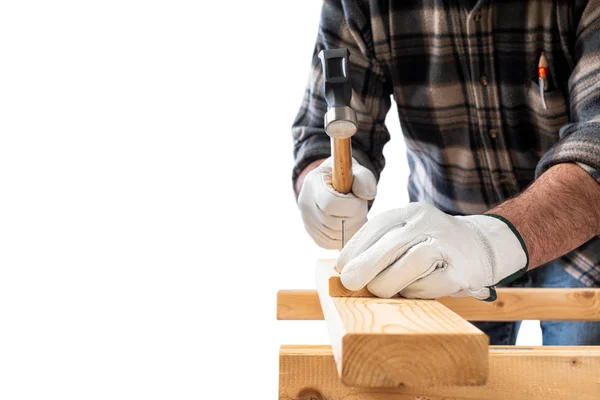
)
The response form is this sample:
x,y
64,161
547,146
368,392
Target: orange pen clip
x,y
543,78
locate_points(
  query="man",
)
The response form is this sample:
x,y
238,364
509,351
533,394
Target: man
x,y
504,177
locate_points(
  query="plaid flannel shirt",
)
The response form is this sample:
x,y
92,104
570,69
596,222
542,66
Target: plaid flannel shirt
x,y
466,86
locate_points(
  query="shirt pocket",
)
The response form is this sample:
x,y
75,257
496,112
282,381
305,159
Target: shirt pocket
x,y
554,100
548,121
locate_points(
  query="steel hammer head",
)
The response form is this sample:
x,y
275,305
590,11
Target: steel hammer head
x,y
340,120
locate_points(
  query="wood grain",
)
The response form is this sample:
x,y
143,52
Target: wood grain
x,y
531,304
401,342
298,305
341,179
515,373
511,305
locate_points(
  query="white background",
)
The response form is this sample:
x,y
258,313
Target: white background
x,y
147,218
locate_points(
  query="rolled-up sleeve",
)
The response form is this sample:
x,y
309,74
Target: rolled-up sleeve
x,y
345,24
580,139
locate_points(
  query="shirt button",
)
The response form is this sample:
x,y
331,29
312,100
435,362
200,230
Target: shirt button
x,y
484,80
493,133
477,16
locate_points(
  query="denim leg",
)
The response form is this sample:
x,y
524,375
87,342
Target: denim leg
x,y
564,333
500,333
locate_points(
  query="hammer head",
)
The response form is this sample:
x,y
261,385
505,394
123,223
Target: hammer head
x,y
340,122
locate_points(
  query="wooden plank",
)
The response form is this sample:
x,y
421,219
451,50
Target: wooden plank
x,y
530,304
512,305
401,342
299,305
516,373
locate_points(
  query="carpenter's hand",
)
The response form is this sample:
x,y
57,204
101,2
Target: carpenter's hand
x,y
323,209
420,252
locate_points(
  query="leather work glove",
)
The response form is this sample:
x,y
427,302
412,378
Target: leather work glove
x,y
323,209
420,252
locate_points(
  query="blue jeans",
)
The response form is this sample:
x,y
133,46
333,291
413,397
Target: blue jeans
x,y
554,333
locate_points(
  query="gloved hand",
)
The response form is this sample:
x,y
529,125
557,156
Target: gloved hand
x,y
323,209
421,252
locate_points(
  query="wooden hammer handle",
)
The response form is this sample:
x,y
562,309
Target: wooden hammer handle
x,y
342,178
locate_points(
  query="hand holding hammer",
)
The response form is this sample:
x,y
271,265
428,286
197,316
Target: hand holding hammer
x,y
334,197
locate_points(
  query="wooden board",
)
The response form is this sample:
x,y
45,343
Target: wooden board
x,y
401,342
512,304
530,303
298,305
516,373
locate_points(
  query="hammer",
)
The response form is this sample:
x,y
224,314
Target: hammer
x,y
340,119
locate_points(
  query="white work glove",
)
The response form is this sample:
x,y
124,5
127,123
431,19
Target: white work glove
x,y
420,252
323,209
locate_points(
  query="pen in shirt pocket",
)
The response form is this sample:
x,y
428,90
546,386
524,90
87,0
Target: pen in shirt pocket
x,y
543,78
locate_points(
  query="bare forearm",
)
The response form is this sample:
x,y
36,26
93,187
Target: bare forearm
x,y
559,212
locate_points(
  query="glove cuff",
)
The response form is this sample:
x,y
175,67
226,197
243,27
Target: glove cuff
x,y
505,249
514,230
